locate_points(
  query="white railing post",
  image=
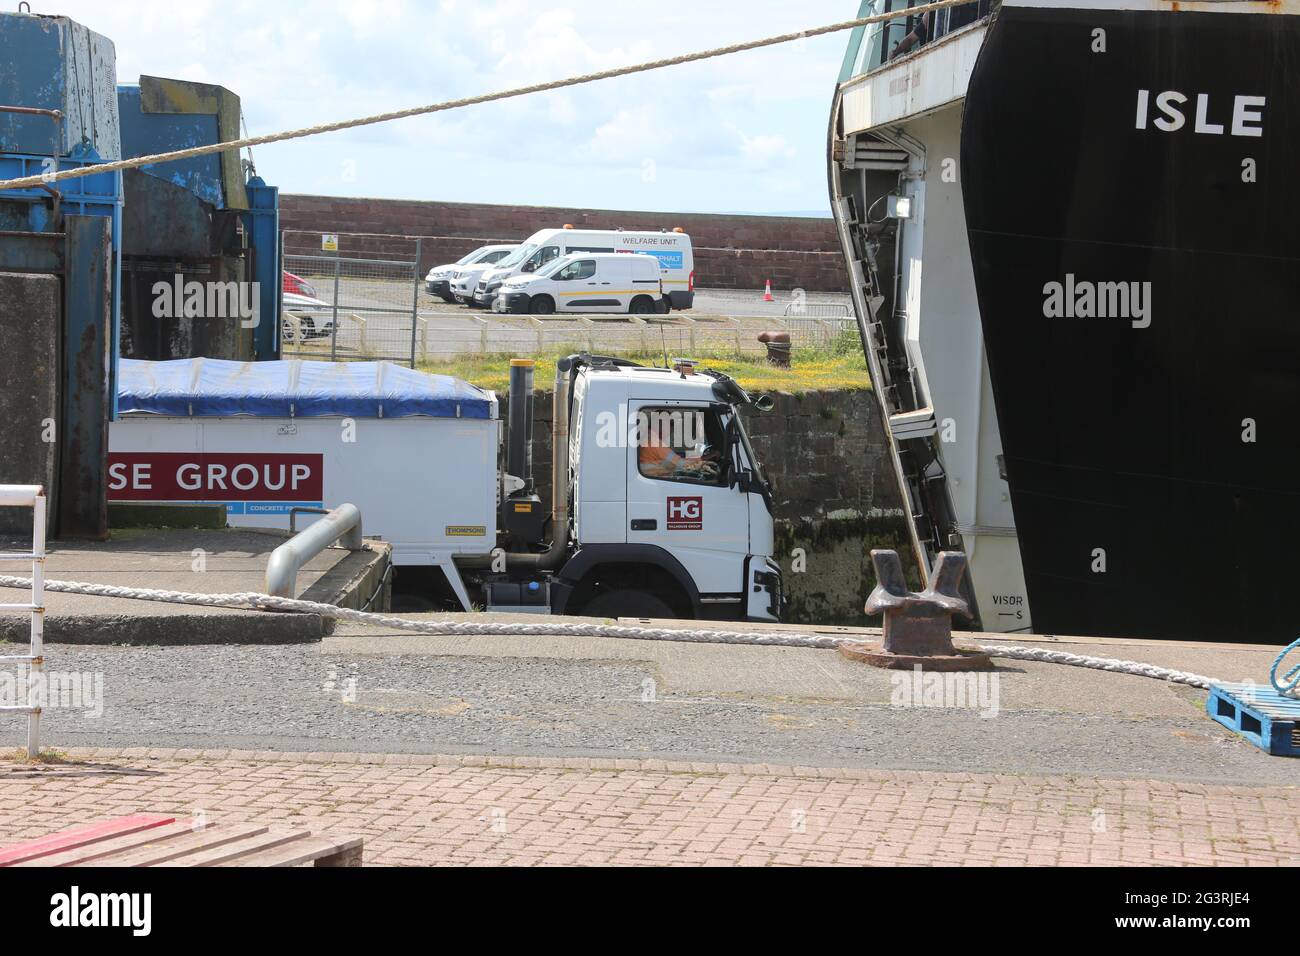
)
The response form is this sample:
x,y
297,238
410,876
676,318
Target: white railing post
x,y
30,496
38,626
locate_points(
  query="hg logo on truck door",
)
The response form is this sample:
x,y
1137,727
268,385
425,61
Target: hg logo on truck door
x,y
685,514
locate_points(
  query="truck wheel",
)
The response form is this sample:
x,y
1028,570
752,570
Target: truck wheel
x,y
449,299
627,603
643,305
542,305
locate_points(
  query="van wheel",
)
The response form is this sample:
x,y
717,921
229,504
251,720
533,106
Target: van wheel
x,y
643,305
627,603
542,305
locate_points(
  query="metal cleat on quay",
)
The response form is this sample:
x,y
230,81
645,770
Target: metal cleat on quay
x,y
918,626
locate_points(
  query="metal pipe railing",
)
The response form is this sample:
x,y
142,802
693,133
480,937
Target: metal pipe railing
x,y
343,524
30,496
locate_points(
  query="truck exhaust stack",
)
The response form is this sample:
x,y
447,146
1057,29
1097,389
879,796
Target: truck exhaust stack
x,y
519,452
522,517
555,555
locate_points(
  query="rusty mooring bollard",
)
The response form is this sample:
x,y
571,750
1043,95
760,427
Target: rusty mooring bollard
x,y
918,626
778,348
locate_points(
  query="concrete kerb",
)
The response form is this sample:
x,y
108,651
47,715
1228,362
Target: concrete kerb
x,y
234,559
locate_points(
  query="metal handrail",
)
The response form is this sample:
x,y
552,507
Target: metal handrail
x,y
343,524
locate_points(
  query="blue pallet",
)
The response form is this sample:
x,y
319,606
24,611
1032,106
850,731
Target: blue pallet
x,y
1269,720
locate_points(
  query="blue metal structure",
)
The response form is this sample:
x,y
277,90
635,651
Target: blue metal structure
x,y
189,213
262,223
43,210
146,132
53,63
58,109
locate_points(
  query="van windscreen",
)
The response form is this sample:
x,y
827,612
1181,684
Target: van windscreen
x,y
518,256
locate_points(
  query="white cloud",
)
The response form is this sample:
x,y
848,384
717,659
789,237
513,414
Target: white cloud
x,y
297,65
765,150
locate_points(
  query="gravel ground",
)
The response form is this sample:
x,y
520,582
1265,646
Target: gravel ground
x,y
454,328
296,698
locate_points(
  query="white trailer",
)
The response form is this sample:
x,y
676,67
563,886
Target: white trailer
x,y
663,510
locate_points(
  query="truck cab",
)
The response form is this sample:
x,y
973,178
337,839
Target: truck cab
x,y
667,511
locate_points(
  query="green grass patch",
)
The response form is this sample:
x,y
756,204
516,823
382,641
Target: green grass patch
x,y
45,757
812,370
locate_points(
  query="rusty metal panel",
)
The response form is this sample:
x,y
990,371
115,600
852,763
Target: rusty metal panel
x,y
87,356
23,251
30,306
161,96
164,220
54,63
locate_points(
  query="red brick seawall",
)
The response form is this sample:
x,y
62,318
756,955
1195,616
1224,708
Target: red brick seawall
x,y
731,252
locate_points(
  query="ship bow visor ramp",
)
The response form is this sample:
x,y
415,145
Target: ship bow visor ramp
x,y
1134,221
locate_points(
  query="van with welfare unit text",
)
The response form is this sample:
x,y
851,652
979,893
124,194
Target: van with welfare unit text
x,y
596,282
672,249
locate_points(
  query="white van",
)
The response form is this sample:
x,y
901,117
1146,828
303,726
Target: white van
x,y
438,281
587,282
672,249
465,279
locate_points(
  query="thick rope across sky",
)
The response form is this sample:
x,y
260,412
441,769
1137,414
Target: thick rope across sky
x,y
78,171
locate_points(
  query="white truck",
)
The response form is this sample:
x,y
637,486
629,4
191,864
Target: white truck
x,y
661,510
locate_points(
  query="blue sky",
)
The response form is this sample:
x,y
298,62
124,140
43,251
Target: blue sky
x,y
743,133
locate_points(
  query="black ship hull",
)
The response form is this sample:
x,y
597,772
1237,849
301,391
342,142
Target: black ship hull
x,y
1137,263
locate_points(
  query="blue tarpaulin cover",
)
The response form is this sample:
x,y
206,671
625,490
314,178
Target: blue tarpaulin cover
x,y
213,388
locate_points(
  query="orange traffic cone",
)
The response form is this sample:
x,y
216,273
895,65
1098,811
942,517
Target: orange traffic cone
x,y
767,293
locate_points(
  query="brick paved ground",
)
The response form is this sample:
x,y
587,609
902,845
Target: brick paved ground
x,y
478,810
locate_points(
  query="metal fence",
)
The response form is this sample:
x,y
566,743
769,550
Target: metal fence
x,y
825,326
352,308
444,338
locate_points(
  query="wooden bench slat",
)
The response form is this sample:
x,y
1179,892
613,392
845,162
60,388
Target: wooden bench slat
x,y
323,850
131,841
226,855
81,836
206,839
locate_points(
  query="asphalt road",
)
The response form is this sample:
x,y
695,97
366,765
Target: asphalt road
x,y
375,319
372,692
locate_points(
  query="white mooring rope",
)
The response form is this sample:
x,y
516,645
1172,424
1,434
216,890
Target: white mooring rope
x,y
470,629
238,144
